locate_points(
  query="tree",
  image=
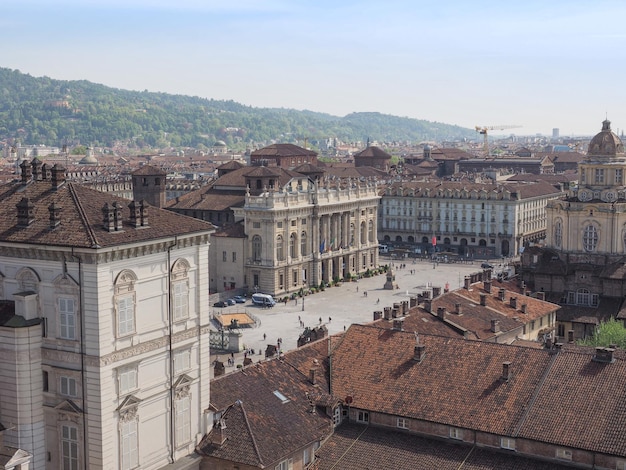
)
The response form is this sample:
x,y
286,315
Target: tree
x,y
609,332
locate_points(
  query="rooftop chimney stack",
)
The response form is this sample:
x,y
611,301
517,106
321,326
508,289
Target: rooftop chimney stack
x,y
604,355
419,352
487,285
506,371
467,282
441,312
458,308
513,302
483,299
36,166
46,172
428,305
27,172
25,212
57,175
501,294
495,326
397,325
524,307
55,215
312,376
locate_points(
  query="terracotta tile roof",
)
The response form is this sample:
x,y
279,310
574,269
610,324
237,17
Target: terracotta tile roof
x,y
236,230
261,428
231,165
423,322
149,170
596,397
236,179
372,152
458,382
81,218
356,447
208,199
283,150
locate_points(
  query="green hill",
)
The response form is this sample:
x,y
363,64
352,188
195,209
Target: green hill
x,y
53,112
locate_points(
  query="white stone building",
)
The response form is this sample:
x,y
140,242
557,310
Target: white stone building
x,y
470,219
304,233
104,330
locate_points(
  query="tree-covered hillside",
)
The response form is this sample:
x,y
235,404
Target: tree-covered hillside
x,y
53,112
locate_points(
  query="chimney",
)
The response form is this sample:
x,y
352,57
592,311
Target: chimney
x,y
57,176
143,209
36,166
27,172
46,172
312,376
112,217
487,285
441,312
219,369
428,305
412,301
436,292
506,371
135,214
397,325
495,326
522,285
419,352
467,282
558,346
483,299
523,308
378,315
501,294
25,212
513,302
55,215
604,355
387,313
427,294
458,308
540,295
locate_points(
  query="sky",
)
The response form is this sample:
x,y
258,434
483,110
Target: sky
x,y
537,64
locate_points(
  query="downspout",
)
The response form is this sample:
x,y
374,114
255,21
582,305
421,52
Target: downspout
x,y
83,378
170,352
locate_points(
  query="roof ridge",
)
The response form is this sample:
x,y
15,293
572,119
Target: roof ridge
x,y
254,444
532,400
83,216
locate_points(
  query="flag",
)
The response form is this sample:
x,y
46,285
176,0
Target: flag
x,y
322,245
434,241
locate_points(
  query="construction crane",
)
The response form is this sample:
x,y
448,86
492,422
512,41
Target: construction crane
x,y
484,129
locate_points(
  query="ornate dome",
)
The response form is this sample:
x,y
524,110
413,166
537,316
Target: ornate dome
x,y
605,143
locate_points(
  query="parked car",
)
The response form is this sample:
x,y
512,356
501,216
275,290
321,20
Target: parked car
x,y
221,303
231,301
240,299
486,266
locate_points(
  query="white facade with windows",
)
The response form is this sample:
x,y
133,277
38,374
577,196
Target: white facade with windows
x,y
305,233
469,219
118,361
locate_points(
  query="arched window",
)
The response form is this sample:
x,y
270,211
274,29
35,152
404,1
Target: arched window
x,y
256,248
180,289
293,246
351,234
582,297
303,250
280,249
590,238
363,238
125,302
558,234
370,231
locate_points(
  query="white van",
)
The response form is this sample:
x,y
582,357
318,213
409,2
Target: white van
x,y
264,300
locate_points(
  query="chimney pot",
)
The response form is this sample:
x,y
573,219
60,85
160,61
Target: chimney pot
x,y
483,299
495,326
312,376
523,308
487,285
419,352
513,302
506,371
501,294
467,282
378,315
458,308
441,312
428,305
397,325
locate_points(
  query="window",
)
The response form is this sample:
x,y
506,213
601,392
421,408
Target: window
x,y
362,417
45,380
183,421
69,447
125,316
370,231
182,361
234,256
507,443
224,256
303,250
294,275
564,454
619,176
620,465
181,300
67,386
127,380
306,456
285,465
256,224
292,246
67,319
256,248
590,238
128,438
582,297
599,175
456,433
558,234
402,423
280,249
337,412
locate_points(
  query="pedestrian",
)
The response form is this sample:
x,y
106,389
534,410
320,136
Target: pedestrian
x,y
299,319
344,327
296,300
357,288
264,336
320,320
377,301
329,319
365,293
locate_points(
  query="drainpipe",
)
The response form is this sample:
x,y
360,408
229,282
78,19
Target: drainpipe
x,y
170,352
83,378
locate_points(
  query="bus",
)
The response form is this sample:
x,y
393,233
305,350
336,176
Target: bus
x,y
264,300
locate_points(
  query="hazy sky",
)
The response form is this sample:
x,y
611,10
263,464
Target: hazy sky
x,y
539,64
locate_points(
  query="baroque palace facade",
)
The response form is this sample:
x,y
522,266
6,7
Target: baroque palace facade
x,y
104,327
470,219
306,232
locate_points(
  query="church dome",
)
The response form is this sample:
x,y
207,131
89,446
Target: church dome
x,y
605,143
